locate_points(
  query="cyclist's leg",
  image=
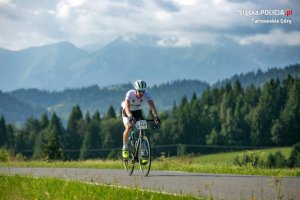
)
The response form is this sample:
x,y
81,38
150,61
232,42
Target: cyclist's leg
x,y
144,153
138,115
126,133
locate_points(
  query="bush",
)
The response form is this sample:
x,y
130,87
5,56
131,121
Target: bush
x,y
253,158
294,160
277,160
113,154
4,155
20,157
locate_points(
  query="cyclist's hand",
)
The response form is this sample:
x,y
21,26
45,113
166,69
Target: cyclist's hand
x,y
156,121
132,119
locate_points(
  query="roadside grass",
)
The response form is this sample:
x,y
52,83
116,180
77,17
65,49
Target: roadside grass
x,y
23,187
221,163
97,163
188,165
228,157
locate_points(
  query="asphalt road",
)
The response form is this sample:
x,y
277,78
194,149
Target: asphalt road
x,y
218,186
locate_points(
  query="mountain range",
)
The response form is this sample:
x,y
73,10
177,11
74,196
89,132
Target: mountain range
x,y
63,66
18,105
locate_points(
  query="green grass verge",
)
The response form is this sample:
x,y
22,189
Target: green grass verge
x,y
22,187
221,163
228,157
189,165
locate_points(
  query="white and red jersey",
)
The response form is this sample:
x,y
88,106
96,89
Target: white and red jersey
x,y
136,103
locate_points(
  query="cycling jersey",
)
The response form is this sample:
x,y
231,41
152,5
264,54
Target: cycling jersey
x,y
135,103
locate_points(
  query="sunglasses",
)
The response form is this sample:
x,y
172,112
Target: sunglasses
x,y
141,91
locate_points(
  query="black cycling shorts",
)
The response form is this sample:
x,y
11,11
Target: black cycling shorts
x,y
137,114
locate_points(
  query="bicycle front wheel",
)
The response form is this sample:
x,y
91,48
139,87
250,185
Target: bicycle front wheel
x,y
129,163
144,155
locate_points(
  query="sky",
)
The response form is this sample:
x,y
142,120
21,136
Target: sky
x,y
178,23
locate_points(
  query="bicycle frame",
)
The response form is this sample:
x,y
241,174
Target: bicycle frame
x,y
133,136
136,140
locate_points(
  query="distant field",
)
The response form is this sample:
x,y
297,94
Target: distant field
x,y
221,163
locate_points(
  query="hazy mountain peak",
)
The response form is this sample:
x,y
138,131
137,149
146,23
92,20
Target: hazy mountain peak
x,y
140,40
63,65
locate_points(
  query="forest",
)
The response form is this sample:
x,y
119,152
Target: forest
x,y
231,115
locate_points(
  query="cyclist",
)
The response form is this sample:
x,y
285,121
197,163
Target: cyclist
x,y
132,111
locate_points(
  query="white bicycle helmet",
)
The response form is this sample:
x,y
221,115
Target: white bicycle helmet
x,y
140,85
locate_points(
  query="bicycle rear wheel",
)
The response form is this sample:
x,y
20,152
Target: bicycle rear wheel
x,y
129,163
144,155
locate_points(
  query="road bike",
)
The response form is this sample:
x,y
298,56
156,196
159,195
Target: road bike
x,y
139,148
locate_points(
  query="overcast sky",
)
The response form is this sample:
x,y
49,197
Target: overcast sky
x,y
27,23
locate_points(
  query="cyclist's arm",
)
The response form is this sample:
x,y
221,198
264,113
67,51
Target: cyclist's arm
x,y
127,108
152,107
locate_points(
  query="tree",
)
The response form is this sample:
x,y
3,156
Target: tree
x,y
54,147
111,113
215,138
3,132
10,130
237,88
39,145
88,117
111,133
40,140
91,140
97,116
288,128
266,112
74,117
75,132
31,130
44,123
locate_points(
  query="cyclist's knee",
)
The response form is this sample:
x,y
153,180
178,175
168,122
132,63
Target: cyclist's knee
x,y
127,127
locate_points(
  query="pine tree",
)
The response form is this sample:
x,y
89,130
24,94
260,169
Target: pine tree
x,y
31,130
74,117
97,116
237,88
10,136
111,113
54,147
287,129
3,132
44,123
40,141
111,133
214,137
88,117
75,132
266,112
91,140
39,147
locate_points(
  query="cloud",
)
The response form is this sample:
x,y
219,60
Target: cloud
x,y
174,42
274,37
5,2
175,22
